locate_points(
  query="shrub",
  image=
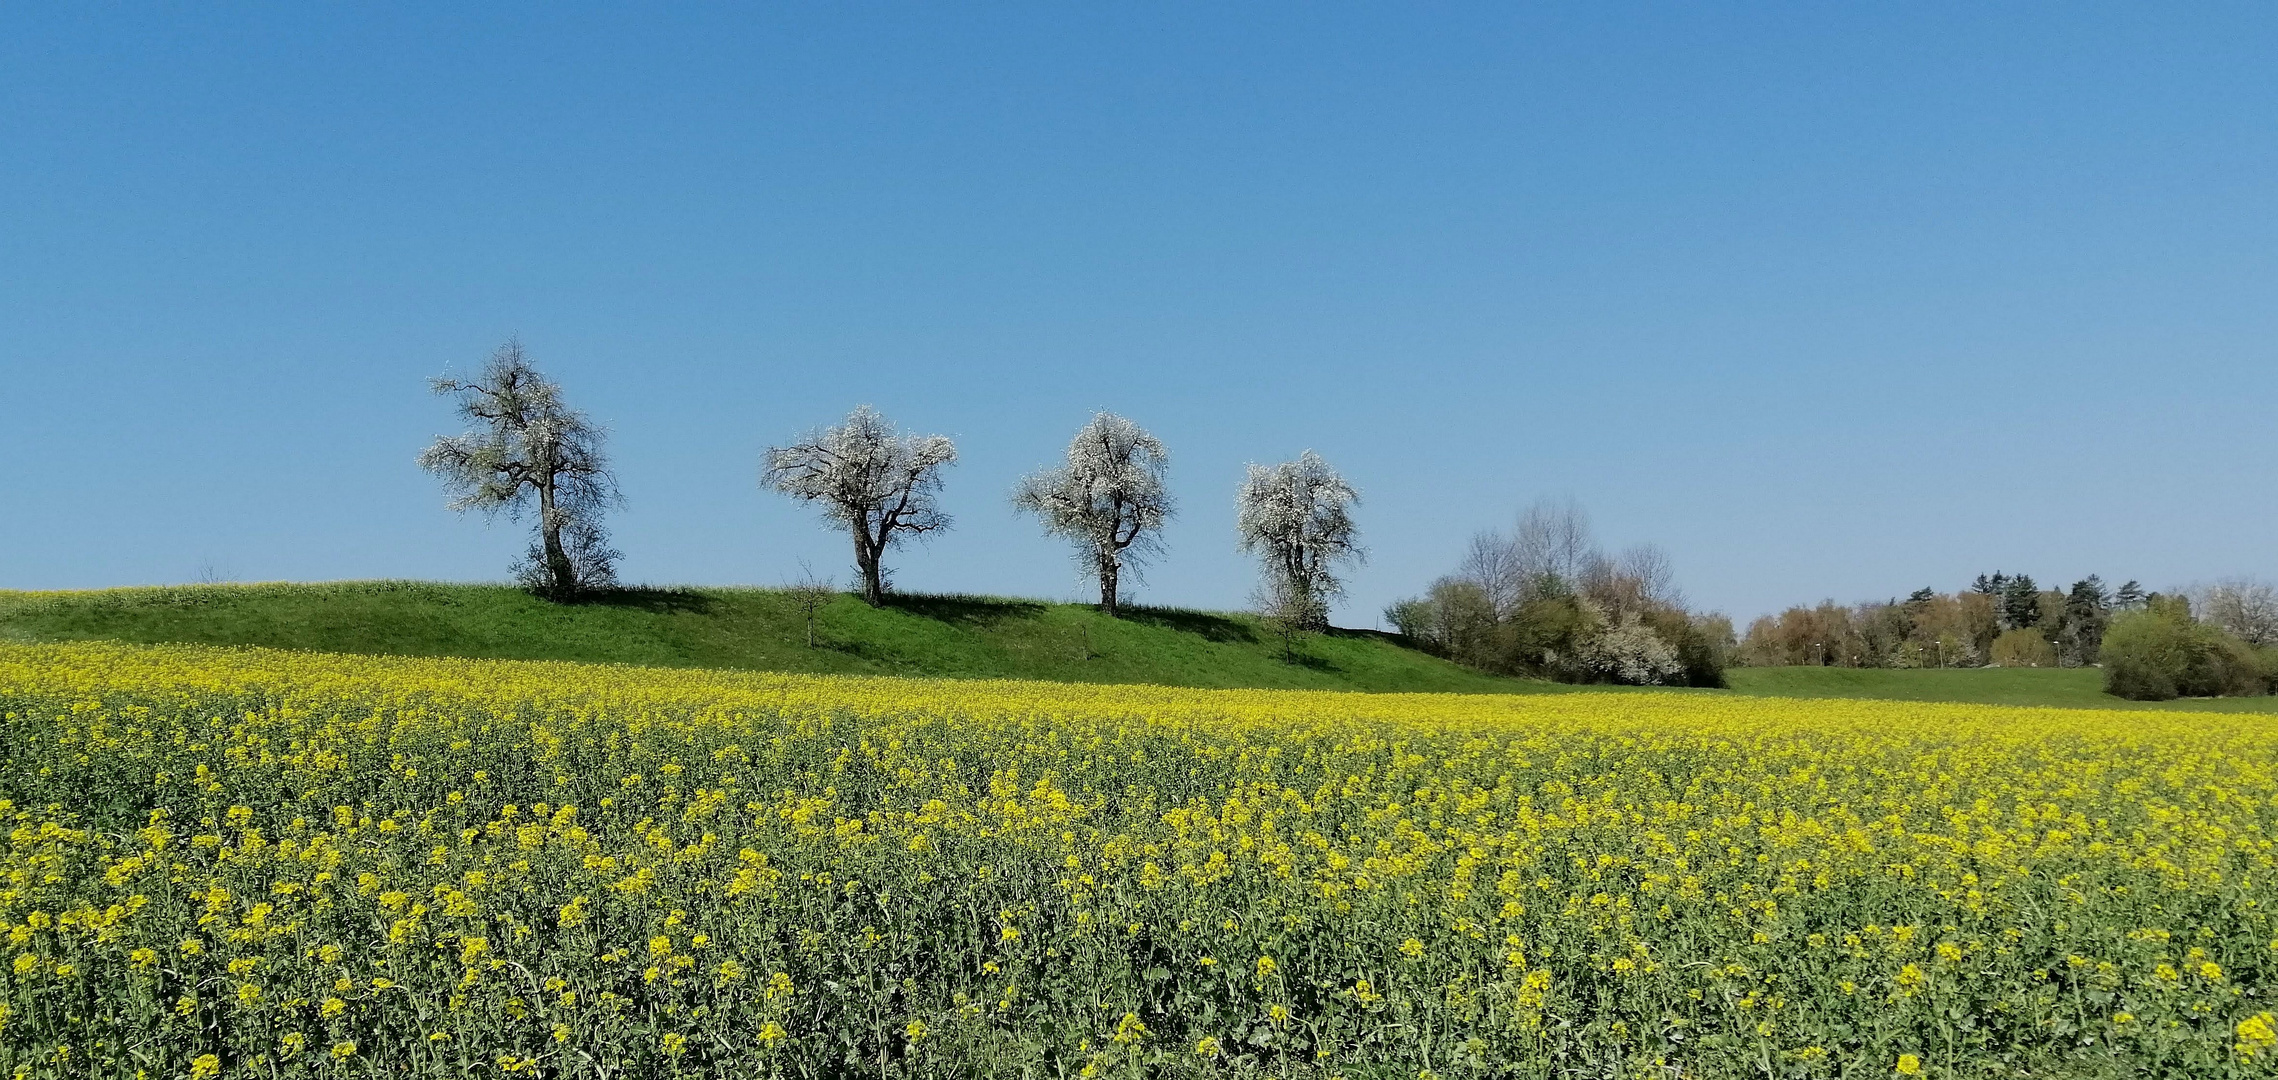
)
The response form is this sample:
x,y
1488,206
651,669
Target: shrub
x,y
1702,642
1549,633
1633,654
2023,648
2160,653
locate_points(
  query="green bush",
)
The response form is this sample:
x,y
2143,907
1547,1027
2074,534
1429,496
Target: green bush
x,y
2160,653
1699,641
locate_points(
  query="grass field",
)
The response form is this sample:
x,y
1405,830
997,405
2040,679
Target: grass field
x,y
2070,688
244,863
935,636
924,636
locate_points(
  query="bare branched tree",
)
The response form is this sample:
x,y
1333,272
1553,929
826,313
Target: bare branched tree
x,y
870,479
1656,577
1109,499
810,594
1553,543
1297,518
1287,611
2243,606
1491,564
526,446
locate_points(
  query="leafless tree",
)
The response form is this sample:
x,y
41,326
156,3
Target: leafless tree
x,y
1288,612
1109,499
1297,517
1655,575
1491,564
2243,606
1552,543
810,594
526,446
870,479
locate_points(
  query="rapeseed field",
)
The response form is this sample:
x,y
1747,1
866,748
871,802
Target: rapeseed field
x,y
240,863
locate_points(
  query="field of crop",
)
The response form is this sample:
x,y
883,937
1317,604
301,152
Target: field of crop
x,y
250,863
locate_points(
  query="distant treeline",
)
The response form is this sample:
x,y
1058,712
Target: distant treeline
x,y
1545,601
2203,641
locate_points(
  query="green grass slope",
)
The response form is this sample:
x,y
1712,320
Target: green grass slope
x,y
939,636
2072,688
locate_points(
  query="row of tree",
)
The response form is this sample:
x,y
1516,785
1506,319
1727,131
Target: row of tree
x,y
1999,618
1544,600
527,451
2204,640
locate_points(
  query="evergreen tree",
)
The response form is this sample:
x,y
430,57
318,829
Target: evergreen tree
x,y
2020,603
2130,597
2087,611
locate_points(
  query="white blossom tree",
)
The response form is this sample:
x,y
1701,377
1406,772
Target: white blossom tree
x,y
1630,652
1109,499
1297,518
527,446
877,483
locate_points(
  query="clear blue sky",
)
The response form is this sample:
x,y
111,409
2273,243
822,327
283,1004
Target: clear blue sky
x,y
1827,299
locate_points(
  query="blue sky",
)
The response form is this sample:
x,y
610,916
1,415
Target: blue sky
x,y
1827,300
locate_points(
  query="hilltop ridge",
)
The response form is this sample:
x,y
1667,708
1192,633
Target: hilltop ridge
x,y
748,628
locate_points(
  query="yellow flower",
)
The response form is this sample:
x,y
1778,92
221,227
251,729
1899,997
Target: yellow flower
x,y
1129,1030
2257,1034
205,1066
915,1030
1207,1047
674,1042
1412,948
342,1051
1909,1065
770,1033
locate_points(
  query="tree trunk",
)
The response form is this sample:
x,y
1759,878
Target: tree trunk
x,y
550,534
866,558
1108,573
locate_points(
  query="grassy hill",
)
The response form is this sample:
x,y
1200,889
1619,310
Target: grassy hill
x,y
2073,688
942,636
945,636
